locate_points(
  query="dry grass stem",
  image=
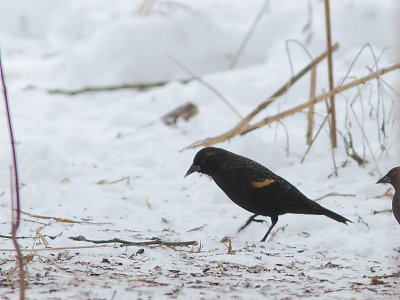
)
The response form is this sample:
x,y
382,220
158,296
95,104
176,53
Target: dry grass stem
x,y
126,178
137,86
315,138
62,220
311,109
238,129
329,110
276,231
14,187
209,86
249,34
56,249
156,242
330,74
333,194
318,99
227,241
387,194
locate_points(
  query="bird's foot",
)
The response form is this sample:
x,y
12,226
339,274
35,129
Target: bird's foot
x,y
249,221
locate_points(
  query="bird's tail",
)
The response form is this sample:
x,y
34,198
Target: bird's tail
x,y
326,212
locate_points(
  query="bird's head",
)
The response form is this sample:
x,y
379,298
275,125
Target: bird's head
x,y
392,177
206,161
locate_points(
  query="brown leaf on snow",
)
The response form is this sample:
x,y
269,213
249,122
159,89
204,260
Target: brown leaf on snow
x,y
65,180
376,281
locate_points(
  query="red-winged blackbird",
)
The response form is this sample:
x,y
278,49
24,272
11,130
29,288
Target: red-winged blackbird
x,y
254,187
393,177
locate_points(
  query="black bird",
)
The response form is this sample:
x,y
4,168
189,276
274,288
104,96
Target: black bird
x,y
393,177
254,187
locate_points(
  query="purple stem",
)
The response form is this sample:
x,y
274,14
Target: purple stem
x,y
12,141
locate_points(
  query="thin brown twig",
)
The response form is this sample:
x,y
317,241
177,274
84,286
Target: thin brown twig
x,y
320,98
330,74
56,249
63,220
387,194
249,34
329,110
283,89
365,136
315,138
382,211
27,237
276,231
156,242
311,109
14,184
114,294
333,194
126,178
138,86
205,83
18,237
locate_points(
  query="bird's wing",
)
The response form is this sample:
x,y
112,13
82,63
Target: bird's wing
x,y
259,177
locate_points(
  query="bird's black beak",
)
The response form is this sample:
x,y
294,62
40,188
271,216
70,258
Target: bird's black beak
x,y
384,179
192,169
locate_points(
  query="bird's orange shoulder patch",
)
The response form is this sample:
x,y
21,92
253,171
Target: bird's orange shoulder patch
x,y
261,184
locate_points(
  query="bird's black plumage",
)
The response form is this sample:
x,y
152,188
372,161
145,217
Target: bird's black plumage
x,y
254,187
393,177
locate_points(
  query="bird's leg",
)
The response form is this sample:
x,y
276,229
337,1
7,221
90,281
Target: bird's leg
x,y
251,219
274,220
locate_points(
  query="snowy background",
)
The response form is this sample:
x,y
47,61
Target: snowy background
x,y
72,150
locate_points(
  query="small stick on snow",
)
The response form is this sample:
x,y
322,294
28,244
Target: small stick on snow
x,y
63,220
56,249
382,211
81,238
335,195
276,231
138,86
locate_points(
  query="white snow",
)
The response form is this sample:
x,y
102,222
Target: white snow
x,y
67,145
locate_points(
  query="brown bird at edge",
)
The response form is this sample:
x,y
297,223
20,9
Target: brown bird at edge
x,y
393,177
255,188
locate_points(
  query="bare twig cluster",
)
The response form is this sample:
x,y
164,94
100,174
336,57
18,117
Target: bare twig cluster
x,y
242,127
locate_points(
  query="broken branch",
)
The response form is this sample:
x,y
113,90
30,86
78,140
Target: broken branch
x,y
138,86
63,220
81,238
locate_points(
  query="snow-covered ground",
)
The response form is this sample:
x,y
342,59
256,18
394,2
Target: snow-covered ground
x,y
72,150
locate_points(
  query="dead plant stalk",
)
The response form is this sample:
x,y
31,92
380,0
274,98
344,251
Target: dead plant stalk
x,y
320,98
310,119
14,184
243,130
282,90
330,74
